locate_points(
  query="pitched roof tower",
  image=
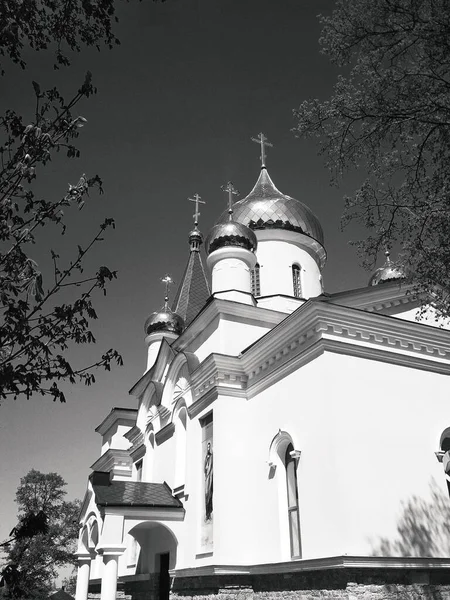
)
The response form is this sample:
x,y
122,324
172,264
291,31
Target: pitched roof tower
x,y
193,291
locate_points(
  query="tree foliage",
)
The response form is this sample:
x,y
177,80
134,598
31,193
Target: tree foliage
x,y
44,539
41,315
35,329
389,118
57,24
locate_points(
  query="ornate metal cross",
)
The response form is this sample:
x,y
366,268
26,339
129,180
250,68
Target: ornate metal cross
x,y
198,200
263,142
232,191
167,279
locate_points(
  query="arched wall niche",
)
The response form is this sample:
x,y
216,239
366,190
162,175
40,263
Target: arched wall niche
x,y
83,540
149,459
444,442
150,398
178,380
180,420
93,535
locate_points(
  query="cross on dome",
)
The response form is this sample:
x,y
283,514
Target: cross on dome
x,y
232,191
198,200
263,142
167,279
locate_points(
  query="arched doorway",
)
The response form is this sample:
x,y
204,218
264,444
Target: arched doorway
x,y
156,555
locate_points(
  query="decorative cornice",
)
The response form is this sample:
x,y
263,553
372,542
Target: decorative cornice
x,y
115,460
317,327
138,452
222,372
122,416
146,512
203,402
374,298
317,564
227,310
134,436
165,433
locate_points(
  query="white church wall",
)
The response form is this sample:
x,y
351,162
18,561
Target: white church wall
x,y
389,424
114,438
276,259
164,462
367,432
230,337
252,508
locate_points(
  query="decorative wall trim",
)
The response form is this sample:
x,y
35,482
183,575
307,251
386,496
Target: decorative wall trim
x,y
315,564
146,513
165,433
202,402
138,452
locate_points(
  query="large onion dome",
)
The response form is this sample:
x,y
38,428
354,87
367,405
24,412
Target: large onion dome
x,y
230,233
164,320
268,208
390,271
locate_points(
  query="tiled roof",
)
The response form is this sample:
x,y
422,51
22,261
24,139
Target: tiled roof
x,y
193,291
135,493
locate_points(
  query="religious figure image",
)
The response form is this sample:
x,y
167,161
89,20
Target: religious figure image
x,y
208,470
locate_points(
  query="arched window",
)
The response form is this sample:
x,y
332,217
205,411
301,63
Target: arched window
x,y
138,467
283,463
296,281
292,500
255,280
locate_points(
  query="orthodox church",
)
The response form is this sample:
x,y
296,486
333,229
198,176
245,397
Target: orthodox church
x,y
285,440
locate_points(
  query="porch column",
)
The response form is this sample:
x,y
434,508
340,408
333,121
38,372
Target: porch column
x,y
109,577
84,568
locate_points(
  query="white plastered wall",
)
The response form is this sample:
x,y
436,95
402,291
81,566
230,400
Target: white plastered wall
x,y
367,432
276,258
229,337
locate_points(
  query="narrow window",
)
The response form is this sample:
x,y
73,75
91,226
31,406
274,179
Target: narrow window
x,y
256,286
139,470
180,447
292,498
296,281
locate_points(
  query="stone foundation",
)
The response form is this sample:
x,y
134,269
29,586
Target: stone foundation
x,y
333,584
327,584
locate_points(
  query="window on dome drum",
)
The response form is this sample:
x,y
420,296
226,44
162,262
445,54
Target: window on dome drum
x,y
255,280
292,500
139,470
296,281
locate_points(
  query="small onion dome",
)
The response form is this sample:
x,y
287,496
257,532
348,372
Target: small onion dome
x,y
388,272
164,320
195,239
230,234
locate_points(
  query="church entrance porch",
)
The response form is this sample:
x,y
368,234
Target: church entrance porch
x,y
156,554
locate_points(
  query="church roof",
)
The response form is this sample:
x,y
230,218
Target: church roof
x,y
193,291
268,208
135,493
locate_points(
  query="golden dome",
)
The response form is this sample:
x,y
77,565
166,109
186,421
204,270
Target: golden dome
x,y
268,208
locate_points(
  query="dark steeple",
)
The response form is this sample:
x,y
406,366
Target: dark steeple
x,y
194,289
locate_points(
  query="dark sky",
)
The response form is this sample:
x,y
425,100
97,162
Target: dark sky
x,y
177,104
